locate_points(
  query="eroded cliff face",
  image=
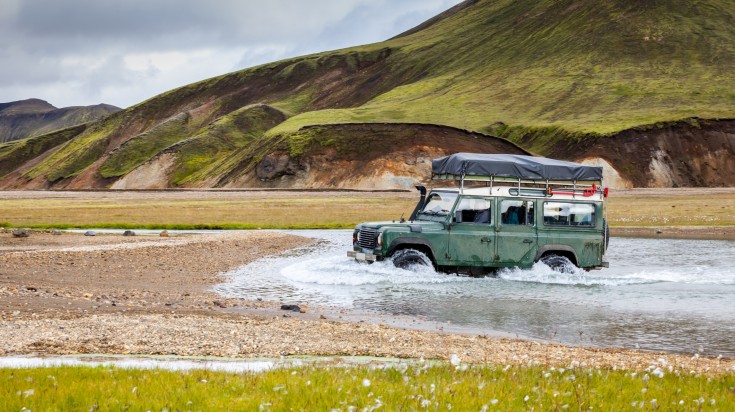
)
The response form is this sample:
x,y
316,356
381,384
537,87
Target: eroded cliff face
x,y
694,153
355,156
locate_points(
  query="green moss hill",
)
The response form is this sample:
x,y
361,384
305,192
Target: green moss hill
x,y
625,81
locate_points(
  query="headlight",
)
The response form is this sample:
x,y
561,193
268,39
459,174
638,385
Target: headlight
x,y
380,240
355,236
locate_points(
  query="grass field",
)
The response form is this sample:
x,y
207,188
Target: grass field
x,y
301,210
473,388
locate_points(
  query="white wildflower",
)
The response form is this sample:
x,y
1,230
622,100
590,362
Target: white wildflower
x,y
494,401
454,360
366,382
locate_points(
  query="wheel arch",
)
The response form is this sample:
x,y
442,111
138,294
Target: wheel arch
x,y
419,244
560,250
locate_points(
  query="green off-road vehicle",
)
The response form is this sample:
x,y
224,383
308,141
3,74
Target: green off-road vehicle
x,y
507,211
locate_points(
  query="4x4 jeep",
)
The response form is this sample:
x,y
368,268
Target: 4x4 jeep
x,y
527,209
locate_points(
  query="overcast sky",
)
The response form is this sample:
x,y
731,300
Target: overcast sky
x,y
121,52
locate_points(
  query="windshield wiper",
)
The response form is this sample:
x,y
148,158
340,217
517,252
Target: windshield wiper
x,y
442,212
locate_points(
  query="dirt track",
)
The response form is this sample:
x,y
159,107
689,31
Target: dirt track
x,y
149,295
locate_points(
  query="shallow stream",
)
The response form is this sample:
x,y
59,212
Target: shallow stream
x,y
658,294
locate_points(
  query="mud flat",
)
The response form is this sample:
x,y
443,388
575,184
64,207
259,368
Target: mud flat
x,y
72,294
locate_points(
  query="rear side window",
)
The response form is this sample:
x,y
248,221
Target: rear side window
x,y
475,210
569,214
516,212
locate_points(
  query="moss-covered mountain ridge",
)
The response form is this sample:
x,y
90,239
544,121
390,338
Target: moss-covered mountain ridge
x,y
563,78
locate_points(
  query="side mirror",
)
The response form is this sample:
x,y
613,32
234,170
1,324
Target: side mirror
x,y
458,216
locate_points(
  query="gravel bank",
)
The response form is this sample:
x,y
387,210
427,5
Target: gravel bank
x,y
72,294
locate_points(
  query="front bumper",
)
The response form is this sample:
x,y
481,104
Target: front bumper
x,y
363,257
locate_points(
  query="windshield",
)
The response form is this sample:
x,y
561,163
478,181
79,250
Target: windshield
x,y
439,204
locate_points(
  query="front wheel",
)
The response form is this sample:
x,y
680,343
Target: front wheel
x,y
410,258
560,264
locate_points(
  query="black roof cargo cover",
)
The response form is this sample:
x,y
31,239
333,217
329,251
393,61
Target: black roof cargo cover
x,y
514,166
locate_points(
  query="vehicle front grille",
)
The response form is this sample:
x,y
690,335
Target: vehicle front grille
x,y
367,239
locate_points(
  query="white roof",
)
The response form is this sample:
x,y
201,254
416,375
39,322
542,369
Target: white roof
x,y
507,191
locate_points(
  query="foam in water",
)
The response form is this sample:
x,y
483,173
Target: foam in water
x,y
337,270
540,273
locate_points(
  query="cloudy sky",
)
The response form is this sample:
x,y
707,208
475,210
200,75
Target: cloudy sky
x,y
121,52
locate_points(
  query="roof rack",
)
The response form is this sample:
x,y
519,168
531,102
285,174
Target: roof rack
x,y
523,172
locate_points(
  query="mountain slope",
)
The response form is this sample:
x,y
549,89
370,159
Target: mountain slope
x,y
561,77
35,117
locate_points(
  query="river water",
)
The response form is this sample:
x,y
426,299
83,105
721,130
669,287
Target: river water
x,y
658,294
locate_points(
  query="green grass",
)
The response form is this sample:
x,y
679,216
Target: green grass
x,y
205,211
473,388
315,210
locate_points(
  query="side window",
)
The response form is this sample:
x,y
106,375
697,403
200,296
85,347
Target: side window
x,y
516,212
569,214
475,210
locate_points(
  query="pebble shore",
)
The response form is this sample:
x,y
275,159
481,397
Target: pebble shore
x,y
110,294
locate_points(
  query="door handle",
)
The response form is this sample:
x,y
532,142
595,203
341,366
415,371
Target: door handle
x,y
527,241
485,239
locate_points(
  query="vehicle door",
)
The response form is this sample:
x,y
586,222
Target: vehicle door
x,y
471,234
516,232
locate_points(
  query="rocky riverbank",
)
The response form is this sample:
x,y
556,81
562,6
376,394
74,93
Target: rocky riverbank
x,y
109,294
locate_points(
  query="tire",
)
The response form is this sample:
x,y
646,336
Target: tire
x,y
411,258
560,264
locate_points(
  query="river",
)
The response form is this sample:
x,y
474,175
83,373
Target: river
x,y
658,294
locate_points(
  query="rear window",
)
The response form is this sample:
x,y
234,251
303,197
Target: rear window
x,y
569,214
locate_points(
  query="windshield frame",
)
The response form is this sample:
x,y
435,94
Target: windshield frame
x,y
449,200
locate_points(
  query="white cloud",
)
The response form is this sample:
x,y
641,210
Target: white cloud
x,y
80,52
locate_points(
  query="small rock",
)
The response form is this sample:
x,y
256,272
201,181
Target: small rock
x,y
56,232
21,233
128,233
31,288
90,233
293,308
302,310
219,304
164,233
322,317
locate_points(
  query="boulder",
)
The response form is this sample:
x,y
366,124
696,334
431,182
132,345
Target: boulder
x,y
292,308
21,233
90,233
128,233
